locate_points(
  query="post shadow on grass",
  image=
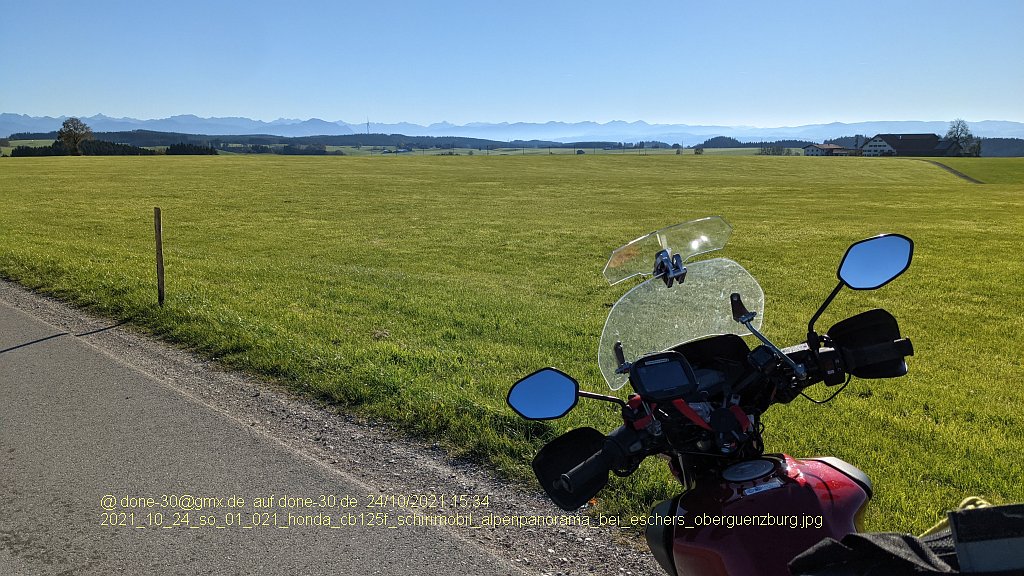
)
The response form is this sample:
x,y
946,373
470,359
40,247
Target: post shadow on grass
x,y
159,229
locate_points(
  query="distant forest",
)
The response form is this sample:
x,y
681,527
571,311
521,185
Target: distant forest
x,y
726,142
151,138
104,148
87,148
315,145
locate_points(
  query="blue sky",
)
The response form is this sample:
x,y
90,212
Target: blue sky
x,y
731,63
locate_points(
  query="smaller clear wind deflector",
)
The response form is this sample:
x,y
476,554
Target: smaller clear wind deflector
x,y
688,239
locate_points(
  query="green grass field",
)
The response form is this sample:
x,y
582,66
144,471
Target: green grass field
x,y
419,290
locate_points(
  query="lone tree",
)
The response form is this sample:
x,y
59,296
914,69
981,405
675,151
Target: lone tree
x,y
960,132
72,133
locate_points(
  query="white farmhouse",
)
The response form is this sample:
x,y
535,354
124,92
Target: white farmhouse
x,y
824,150
877,146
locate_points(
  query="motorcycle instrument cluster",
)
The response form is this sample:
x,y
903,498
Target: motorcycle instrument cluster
x,y
664,376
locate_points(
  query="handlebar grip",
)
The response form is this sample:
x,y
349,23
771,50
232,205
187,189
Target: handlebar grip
x,y
596,466
875,353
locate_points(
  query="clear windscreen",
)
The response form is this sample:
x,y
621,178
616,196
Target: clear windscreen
x,y
653,318
687,239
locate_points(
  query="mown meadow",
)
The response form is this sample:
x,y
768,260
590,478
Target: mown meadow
x,y
417,289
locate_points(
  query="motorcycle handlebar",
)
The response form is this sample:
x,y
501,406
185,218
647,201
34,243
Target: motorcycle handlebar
x,y
874,360
597,466
623,448
873,354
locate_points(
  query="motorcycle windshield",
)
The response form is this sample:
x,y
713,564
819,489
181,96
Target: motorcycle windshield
x,y
652,317
687,239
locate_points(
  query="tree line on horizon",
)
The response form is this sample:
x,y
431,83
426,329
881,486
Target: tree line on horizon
x,y
87,148
76,138
104,148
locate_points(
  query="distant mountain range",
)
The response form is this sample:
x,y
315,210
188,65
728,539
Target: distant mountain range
x,y
615,131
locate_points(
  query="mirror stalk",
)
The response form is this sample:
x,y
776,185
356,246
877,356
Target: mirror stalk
x,y
592,395
813,340
620,357
745,317
799,369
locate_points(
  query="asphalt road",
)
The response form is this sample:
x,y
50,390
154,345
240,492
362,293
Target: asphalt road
x,y
78,426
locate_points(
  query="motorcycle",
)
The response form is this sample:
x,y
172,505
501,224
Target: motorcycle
x,y
699,392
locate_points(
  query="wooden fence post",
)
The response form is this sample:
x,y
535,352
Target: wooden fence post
x,y
159,255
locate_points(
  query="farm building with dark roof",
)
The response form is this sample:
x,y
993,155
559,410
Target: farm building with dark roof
x,y
910,145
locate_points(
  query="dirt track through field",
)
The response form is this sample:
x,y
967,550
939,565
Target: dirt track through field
x,y
952,171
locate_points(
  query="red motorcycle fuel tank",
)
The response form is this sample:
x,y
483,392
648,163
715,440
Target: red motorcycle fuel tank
x,y
763,512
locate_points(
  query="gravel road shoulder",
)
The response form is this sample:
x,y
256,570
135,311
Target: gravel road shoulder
x,y
376,455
